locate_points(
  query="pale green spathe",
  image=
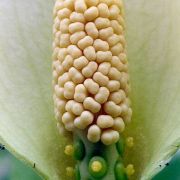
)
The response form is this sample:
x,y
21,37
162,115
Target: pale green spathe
x,y
27,124
154,53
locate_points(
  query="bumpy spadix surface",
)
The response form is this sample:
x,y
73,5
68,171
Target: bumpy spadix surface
x,y
90,78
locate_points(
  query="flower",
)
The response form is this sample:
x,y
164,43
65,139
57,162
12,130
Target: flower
x,y
27,125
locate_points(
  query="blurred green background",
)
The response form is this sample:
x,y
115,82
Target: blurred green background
x,y
13,169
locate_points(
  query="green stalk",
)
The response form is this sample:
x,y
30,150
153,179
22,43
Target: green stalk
x,y
86,152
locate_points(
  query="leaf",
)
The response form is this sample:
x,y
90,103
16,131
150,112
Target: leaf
x,y
11,168
153,35
171,171
27,125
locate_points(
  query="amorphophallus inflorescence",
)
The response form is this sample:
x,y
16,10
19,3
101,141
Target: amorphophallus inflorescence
x,y
27,123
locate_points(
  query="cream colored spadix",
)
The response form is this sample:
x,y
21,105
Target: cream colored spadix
x,y
90,75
